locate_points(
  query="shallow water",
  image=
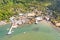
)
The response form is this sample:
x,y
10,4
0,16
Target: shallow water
x,y
41,31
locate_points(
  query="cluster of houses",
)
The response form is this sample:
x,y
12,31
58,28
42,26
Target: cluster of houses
x,y
28,18
56,23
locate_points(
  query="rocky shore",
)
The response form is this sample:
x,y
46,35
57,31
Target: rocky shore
x,y
3,22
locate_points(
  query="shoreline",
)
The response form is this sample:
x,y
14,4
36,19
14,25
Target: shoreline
x,y
3,23
44,21
53,26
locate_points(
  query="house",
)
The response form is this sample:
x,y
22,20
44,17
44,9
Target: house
x,y
31,14
57,24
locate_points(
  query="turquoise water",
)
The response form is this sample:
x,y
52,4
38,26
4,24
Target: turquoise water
x,y
41,31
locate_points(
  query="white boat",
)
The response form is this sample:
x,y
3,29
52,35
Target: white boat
x,y
9,32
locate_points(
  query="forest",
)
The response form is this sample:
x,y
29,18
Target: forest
x,y
9,8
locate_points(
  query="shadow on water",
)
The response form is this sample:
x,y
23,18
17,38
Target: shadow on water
x,y
35,29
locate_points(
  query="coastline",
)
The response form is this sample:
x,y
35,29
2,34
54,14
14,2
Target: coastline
x,y
43,21
3,23
53,26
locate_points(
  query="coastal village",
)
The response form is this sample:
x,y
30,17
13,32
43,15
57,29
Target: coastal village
x,y
29,19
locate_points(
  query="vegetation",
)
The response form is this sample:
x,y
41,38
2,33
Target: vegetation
x,y
9,8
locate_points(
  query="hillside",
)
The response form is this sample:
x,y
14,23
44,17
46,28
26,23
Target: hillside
x,y
9,8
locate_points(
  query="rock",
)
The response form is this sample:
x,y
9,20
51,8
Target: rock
x,y
24,32
2,23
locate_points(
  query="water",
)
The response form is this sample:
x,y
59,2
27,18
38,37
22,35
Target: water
x,y
41,31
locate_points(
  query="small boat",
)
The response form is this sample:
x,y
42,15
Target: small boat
x,y
9,32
